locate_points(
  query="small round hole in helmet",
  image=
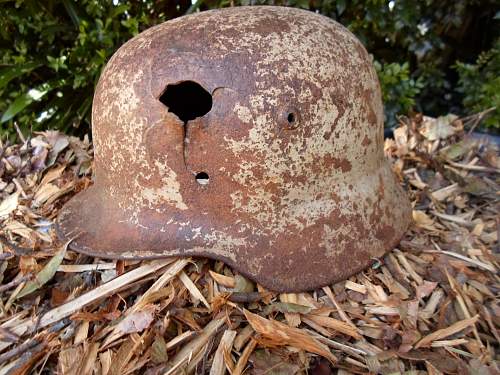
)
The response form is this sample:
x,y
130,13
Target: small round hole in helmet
x,y
202,178
289,118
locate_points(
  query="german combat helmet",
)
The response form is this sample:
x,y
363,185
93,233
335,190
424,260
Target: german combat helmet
x,y
252,135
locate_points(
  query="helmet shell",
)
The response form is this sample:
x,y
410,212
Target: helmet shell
x,y
299,194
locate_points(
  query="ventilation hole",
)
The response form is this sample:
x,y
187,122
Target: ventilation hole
x,y
187,100
291,118
202,178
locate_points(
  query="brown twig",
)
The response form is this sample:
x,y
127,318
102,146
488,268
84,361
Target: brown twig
x,y
477,118
16,250
241,297
14,283
18,350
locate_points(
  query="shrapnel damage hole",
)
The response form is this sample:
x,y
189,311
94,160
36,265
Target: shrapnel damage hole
x,y
202,178
291,118
187,100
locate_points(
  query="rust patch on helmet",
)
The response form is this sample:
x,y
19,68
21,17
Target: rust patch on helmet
x,y
283,177
343,164
366,141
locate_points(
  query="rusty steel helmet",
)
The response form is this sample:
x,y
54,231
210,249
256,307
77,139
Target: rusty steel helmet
x,y
251,135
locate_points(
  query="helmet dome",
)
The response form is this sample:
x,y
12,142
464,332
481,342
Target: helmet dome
x,y
252,135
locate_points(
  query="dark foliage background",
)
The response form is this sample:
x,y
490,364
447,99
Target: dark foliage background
x,y
434,56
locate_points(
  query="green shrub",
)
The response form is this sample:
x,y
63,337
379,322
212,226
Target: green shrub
x,y
398,89
52,53
480,85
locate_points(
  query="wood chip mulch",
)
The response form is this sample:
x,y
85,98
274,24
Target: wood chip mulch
x,y
430,306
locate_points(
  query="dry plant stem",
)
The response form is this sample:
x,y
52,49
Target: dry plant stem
x,y
85,267
178,340
188,283
242,361
226,343
461,302
445,332
194,346
6,335
18,365
473,262
477,118
341,312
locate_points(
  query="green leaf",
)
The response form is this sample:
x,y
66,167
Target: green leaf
x,y
45,274
70,8
116,11
341,5
11,72
25,100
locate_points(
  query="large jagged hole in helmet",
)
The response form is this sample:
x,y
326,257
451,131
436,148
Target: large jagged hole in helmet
x,y
187,100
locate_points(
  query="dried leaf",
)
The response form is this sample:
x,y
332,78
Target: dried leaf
x,y
45,274
159,350
226,281
280,334
9,204
443,361
138,320
38,159
58,141
425,289
477,186
286,307
243,285
265,362
458,149
422,219
438,128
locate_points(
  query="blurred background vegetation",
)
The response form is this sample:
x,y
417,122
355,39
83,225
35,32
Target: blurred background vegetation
x,y
432,56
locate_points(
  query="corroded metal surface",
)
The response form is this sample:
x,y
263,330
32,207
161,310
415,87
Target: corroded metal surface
x,y
299,193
